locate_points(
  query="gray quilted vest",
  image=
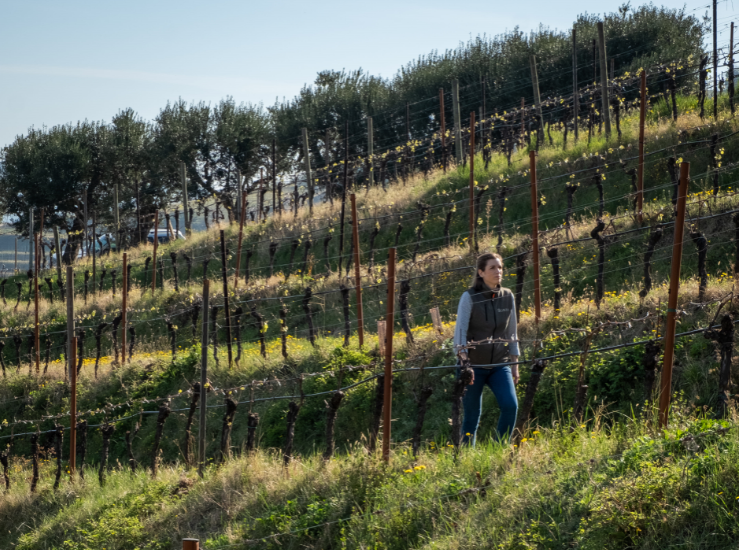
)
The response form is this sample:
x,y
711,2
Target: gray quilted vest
x,y
489,319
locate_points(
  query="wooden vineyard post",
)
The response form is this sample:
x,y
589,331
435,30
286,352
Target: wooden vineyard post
x,y
381,336
671,316
370,150
225,291
273,186
154,252
442,130
30,239
575,89
472,182
203,389
93,256
72,354
387,409
343,203
36,301
521,130
117,223
481,129
436,320
308,171
184,185
408,121
535,248
482,117
593,87
240,231
327,159
124,292
59,253
86,230
239,194
357,272
190,544
603,80
456,113
641,132
70,282
260,199
536,93
731,87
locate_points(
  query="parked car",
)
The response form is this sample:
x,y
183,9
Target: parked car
x,y
105,243
163,236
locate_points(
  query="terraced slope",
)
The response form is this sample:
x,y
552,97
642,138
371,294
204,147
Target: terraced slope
x,y
569,484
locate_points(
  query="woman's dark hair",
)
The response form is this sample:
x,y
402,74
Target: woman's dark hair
x,y
480,265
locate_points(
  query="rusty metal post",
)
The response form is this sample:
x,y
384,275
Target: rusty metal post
x,y
715,59
535,248
72,354
202,457
240,231
37,237
70,282
357,272
641,133
227,297
154,252
575,88
443,130
387,408
472,181
124,292
671,316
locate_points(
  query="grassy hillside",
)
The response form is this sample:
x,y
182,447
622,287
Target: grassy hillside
x,y
686,139
599,486
613,481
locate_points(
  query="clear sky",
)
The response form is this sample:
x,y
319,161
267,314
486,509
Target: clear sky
x,y
64,61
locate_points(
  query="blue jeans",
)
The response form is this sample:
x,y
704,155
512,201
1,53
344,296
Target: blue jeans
x,y
499,379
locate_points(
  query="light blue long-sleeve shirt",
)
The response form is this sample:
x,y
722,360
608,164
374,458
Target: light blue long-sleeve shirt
x,y
465,308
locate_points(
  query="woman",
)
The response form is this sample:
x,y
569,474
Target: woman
x,y
487,310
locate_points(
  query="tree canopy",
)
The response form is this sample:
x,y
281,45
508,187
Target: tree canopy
x,y
55,168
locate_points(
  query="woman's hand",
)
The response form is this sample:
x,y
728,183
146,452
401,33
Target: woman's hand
x,y
514,369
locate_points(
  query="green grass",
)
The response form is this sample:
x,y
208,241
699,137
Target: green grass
x,y
599,485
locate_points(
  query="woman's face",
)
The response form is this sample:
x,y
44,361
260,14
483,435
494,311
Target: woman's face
x,y
492,274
